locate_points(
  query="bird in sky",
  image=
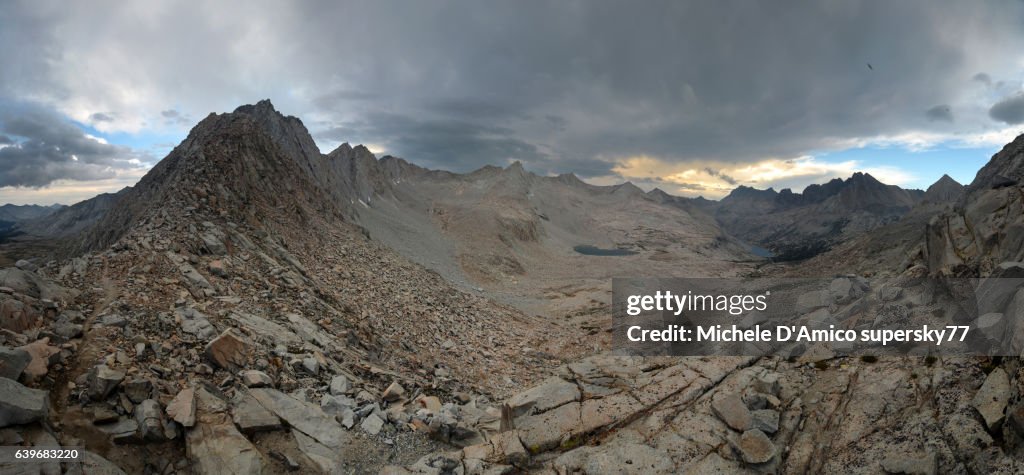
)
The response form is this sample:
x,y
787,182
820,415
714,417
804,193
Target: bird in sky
x,y
870,67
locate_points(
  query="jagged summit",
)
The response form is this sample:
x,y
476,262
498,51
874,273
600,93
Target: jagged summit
x,y
944,190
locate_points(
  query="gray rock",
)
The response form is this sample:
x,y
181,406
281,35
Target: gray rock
x,y
731,410
213,245
195,323
768,384
766,420
889,293
335,405
326,459
67,330
256,379
13,362
103,381
991,324
992,398
302,416
909,465
347,418
252,417
755,447
149,417
372,424
113,320
551,393
138,389
124,431
813,300
339,385
311,365
21,405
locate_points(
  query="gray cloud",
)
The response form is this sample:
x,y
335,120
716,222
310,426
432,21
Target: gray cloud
x,y
100,117
1009,110
5,140
444,143
722,176
941,112
563,86
51,148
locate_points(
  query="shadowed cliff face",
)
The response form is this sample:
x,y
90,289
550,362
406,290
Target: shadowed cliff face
x,y
800,225
986,228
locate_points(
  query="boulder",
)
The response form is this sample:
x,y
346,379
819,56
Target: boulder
x,y
251,417
326,459
214,445
731,410
21,405
113,320
992,398
302,416
213,245
228,351
393,392
372,424
138,389
218,448
755,447
102,381
766,420
150,419
195,323
339,385
13,362
551,393
41,354
182,409
256,379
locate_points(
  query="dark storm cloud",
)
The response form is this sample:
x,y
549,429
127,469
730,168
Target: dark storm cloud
x,y
51,148
941,112
673,80
100,117
1009,110
562,85
5,140
340,99
447,143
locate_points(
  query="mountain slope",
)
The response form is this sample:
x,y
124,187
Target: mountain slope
x,y
519,235
799,225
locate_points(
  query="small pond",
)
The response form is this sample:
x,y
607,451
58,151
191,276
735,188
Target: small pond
x,y
597,251
761,252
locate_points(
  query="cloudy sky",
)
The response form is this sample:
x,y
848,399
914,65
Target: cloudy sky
x,y
692,97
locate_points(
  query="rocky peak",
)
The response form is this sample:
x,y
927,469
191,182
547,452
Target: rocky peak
x,y
1006,168
945,190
